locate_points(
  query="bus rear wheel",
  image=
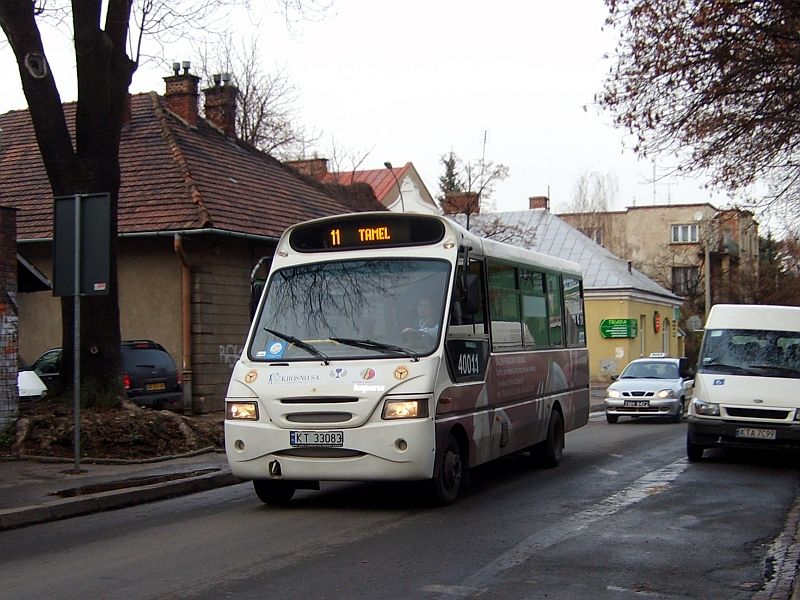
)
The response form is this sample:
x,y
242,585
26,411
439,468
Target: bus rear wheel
x,y
446,485
549,452
274,493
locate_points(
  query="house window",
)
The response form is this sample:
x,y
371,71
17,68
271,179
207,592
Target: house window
x,y
684,280
684,234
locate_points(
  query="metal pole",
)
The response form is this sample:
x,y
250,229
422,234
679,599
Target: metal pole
x,y
707,276
76,338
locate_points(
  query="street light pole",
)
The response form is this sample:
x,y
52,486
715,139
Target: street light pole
x,y
388,165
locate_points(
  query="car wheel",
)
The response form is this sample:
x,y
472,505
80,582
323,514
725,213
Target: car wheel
x,y
694,452
274,493
612,418
676,418
446,485
549,452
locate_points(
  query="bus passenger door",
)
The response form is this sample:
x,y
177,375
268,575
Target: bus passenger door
x,y
467,355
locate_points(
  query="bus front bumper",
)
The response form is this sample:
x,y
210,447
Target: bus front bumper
x,y
386,451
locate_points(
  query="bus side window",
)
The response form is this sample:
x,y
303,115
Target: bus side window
x,y
554,309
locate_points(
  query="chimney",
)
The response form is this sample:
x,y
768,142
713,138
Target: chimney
x,y
539,202
312,167
181,93
455,203
220,106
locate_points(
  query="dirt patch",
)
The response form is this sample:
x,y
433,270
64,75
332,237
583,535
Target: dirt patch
x,y
130,432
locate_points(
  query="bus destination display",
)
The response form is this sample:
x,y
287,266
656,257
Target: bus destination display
x,y
369,232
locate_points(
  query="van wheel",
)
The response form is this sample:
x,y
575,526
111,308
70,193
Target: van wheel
x,y
612,418
694,452
446,486
549,452
274,493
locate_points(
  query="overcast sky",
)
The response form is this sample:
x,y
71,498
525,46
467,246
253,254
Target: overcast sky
x,y
410,81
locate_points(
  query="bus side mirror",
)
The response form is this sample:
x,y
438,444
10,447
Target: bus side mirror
x,y
472,295
256,289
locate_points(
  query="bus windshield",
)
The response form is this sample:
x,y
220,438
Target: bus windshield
x,y
352,309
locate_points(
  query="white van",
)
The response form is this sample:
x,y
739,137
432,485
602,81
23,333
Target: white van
x,y
747,386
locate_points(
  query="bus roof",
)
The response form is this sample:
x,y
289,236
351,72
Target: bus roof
x,y
754,316
483,246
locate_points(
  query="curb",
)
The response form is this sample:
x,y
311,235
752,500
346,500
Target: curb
x,y
72,507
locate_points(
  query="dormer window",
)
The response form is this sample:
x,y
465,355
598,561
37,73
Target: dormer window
x,y
685,234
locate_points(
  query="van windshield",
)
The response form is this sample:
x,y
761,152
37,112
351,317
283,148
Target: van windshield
x,y
758,352
352,309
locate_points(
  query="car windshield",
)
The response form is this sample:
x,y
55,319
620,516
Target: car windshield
x,y
352,309
751,352
650,370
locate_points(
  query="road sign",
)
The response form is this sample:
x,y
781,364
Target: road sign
x,y
619,328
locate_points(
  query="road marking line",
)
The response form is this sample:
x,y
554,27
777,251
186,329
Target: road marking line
x,y
646,486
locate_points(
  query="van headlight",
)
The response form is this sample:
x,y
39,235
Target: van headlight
x,y
241,411
705,409
405,409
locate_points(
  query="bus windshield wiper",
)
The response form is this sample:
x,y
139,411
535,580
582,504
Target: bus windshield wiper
x,y
373,345
299,343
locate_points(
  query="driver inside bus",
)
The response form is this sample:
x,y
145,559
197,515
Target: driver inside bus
x,y
426,321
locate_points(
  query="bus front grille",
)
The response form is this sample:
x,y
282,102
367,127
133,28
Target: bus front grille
x,y
319,417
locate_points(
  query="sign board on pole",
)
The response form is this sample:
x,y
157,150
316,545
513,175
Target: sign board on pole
x,y
619,328
94,245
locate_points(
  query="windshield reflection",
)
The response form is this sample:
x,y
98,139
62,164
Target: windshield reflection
x,y
352,309
765,353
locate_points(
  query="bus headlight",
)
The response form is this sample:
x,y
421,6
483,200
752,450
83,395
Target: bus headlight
x,y
241,411
405,409
705,409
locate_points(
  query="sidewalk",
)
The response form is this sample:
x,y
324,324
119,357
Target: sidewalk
x,y
37,490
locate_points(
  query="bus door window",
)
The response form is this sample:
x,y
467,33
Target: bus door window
x,y
467,344
554,309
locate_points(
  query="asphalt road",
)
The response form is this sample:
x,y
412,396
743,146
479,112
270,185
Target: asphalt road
x,y
624,516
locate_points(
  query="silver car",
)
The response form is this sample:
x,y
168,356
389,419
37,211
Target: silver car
x,y
650,387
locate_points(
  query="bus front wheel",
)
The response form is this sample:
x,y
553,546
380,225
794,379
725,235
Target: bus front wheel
x,y
446,485
274,493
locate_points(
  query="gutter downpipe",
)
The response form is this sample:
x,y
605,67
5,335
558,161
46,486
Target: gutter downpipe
x,y
186,326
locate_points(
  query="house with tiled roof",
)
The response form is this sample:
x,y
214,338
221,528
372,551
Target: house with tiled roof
x,y
399,189
628,315
198,209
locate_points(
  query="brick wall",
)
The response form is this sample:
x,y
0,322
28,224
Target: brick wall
x,y
9,395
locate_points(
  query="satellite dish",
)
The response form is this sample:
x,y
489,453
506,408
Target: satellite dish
x,y
698,216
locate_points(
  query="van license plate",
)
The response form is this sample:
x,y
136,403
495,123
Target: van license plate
x,y
327,439
756,434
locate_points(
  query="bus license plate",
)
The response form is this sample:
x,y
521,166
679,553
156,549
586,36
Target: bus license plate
x,y
328,439
756,434
641,403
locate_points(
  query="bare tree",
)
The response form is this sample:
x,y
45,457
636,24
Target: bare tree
x,y
108,38
710,82
593,193
266,115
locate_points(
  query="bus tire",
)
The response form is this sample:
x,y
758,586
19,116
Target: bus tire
x,y
446,485
694,452
274,493
549,452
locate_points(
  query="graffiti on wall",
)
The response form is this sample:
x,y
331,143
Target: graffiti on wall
x,y
229,354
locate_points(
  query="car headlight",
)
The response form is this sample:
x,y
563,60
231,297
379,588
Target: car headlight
x,y
664,394
705,409
405,409
241,411
613,394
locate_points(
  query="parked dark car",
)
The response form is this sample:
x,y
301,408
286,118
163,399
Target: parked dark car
x,y
149,374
